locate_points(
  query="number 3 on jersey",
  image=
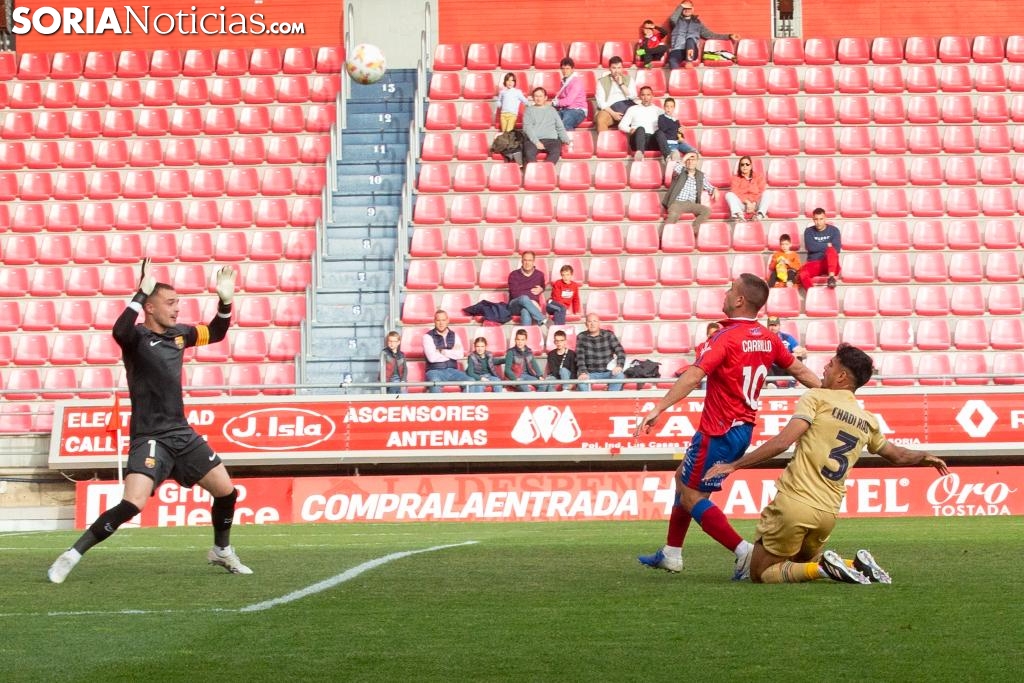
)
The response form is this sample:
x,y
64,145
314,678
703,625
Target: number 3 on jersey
x,y
847,442
753,378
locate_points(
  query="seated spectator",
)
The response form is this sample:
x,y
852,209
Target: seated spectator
x,y
615,93
571,100
640,124
746,195
543,128
823,242
687,31
669,125
393,368
481,364
599,355
526,290
510,99
775,327
443,350
561,363
651,45
684,193
521,365
565,294
784,264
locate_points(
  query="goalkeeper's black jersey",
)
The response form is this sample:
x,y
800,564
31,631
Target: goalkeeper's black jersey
x,y
153,365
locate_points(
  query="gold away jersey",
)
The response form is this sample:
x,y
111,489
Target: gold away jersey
x,y
839,431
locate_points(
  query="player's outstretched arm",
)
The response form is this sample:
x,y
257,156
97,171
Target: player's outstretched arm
x,y
766,451
226,292
898,455
803,374
124,326
687,382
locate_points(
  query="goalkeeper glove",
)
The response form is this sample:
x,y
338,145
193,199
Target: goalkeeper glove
x,y
147,283
226,284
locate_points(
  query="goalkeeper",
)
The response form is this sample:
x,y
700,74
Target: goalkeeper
x,y
163,445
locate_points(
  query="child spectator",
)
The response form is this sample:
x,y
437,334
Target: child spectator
x,y
784,264
521,365
669,125
481,365
509,100
565,294
652,43
393,368
561,363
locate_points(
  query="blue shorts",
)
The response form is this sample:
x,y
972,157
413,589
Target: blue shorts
x,y
707,451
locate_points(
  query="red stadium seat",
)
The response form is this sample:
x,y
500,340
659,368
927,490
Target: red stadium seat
x,y
1007,334
818,110
1008,368
890,140
821,302
676,270
497,241
856,51
818,141
515,56
751,81
587,55
894,365
853,80
638,304
821,335
859,301
954,49
967,300
1001,234
449,57
819,51
782,80
970,334
782,111
933,334
858,267
673,304
673,337
888,171
995,170
931,300
471,177
640,271
860,333
921,50
603,303
854,140
787,51
887,79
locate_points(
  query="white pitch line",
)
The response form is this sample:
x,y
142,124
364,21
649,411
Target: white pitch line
x,y
347,575
318,587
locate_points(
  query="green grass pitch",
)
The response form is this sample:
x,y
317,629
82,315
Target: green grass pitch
x,y
537,602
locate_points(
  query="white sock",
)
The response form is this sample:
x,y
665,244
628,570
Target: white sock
x,y
743,548
673,552
74,554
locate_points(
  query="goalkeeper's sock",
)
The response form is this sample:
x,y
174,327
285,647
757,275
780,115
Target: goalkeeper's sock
x,y
791,572
222,514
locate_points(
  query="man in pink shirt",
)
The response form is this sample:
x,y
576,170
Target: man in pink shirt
x,y
571,100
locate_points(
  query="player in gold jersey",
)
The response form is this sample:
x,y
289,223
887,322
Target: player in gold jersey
x,y
830,430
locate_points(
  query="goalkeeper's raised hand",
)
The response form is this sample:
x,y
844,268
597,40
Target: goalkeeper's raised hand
x,y
226,284
147,283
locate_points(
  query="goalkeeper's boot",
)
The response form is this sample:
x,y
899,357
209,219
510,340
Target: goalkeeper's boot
x,y
866,565
836,569
226,557
658,560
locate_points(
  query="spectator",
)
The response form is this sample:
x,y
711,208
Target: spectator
x,y
481,365
746,195
684,193
565,294
652,43
784,264
543,128
599,355
521,365
640,124
669,125
509,100
526,289
775,327
561,362
571,100
614,95
687,29
393,368
443,351
823,243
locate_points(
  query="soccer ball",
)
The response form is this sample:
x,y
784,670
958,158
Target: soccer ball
x,y
366,64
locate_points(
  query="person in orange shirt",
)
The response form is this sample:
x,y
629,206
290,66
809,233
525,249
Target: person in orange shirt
x,y
784,264
746,194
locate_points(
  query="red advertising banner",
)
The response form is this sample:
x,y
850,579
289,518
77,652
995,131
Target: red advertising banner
x,y
576,426
871,492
